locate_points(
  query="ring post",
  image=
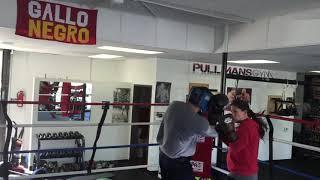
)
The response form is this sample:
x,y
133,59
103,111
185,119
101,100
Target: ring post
x,y
270,147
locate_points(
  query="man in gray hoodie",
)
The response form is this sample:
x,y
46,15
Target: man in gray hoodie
x,y
179,131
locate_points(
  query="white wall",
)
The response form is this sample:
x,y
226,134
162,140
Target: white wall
x,y
296,29
180,75
248,36
282,130
8,7
149,31
104,70
29,68
290,30
139,71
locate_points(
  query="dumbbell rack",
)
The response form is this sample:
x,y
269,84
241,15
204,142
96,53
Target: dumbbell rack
x,y
79,155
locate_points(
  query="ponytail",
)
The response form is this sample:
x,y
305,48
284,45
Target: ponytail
x,y
262,125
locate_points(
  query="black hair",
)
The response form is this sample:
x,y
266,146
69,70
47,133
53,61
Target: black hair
x,y
244,106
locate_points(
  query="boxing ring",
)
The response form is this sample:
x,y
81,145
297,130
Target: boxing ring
x,y
89,171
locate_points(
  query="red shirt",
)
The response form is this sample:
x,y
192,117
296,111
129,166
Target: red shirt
x,y
242,155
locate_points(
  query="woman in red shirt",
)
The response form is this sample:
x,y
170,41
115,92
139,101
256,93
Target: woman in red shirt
x,y
242,158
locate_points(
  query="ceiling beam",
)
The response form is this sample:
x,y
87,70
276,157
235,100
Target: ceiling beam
x,y
213,14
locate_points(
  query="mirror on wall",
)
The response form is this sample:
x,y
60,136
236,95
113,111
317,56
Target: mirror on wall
x,y
64,94
120,114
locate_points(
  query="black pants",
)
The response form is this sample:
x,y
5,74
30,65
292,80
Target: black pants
x,y
175,169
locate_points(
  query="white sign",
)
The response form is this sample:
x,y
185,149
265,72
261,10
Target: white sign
x,y
204,68
197,166
250,72
215,69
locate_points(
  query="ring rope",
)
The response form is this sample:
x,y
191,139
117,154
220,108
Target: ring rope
x,y
72,124
82,148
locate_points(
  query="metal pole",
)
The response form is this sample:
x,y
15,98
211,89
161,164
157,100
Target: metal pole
x,y
222,91
4,118
270,147
5,75
223,73
220,157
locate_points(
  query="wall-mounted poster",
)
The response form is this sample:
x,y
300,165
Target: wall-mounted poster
x,y
64,93
192,85
244,94
163,92
120,114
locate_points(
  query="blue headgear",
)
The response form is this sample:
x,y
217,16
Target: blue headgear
x,y
200,96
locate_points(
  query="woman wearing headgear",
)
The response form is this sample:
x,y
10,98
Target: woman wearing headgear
x,y
181,126
242,157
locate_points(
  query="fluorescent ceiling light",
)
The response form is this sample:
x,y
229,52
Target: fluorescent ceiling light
x,y
315,71
16,48
253,62
129,50
104,56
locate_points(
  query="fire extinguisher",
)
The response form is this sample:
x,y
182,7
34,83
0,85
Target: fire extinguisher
x,y
20,97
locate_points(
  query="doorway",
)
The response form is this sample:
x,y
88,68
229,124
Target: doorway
x,y
140,134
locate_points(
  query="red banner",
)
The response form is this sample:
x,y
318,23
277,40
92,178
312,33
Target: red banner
x,y
56,22
201,160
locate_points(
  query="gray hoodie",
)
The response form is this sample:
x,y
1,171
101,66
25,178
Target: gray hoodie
x,y
180,130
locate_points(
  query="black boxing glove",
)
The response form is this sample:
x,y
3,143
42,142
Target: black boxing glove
x,y
226,129
216,108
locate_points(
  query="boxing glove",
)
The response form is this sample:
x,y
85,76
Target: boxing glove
x,y
226,128
216,108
